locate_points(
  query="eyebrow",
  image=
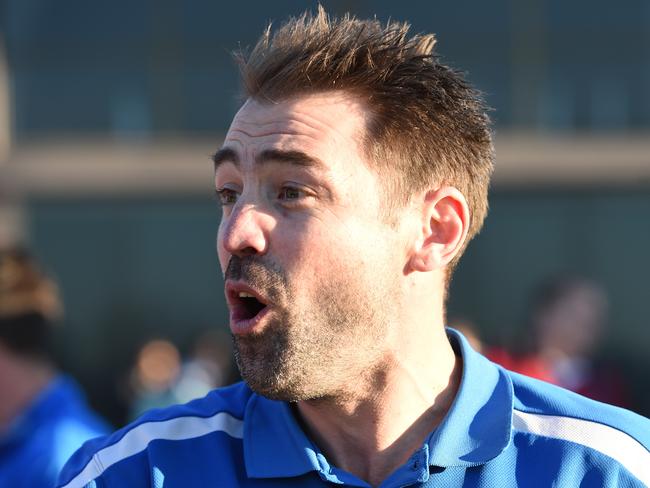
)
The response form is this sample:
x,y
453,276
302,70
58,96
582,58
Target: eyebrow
x,y
296,158
225,155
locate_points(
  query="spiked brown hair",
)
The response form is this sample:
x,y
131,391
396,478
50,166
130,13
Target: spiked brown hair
x,y
427,126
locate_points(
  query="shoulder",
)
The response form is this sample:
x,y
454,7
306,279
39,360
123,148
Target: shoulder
x,y
69,433
537,398
72,417
51,429
220,412
580,426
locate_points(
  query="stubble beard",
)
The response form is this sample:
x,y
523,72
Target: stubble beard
x,y
319,349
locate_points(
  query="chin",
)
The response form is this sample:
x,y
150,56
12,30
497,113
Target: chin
x,y
265,367
278,366
280,382
269,387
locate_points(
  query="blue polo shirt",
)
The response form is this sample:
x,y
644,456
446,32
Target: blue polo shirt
x,y
39,442
503,429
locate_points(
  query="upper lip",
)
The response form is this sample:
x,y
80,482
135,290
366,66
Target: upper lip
x,y
233,289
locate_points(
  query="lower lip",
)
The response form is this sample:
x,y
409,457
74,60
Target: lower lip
x,y
248,326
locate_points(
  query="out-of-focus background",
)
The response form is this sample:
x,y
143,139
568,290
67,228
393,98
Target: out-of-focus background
x,y
109,112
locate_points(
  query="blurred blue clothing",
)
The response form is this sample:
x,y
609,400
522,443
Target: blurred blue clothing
x,y
503,430
56,424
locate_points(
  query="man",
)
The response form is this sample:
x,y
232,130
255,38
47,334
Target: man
x,y
568,319
351,180
43,415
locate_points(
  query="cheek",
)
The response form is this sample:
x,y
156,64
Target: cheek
x,y
304,248
323,251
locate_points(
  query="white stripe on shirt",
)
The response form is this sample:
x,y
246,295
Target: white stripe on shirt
x,y
611,442
138,438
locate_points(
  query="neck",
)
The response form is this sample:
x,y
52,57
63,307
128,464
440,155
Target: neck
x,y
374,428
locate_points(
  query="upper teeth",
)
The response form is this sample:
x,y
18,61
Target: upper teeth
x,y
243,294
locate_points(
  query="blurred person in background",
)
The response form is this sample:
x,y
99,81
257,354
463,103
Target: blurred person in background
x,y
208,366
159,378
566,322
43,414
154,374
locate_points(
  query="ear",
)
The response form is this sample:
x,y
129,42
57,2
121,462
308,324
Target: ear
x,y
445,222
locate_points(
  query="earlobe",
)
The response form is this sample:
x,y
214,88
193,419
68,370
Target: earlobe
x,y
445,221
421,263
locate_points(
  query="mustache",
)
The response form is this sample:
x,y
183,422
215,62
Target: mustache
x,y
258,273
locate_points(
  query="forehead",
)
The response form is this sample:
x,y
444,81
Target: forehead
x,y
320,124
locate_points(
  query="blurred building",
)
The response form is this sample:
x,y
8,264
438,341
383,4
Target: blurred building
x,y
109,112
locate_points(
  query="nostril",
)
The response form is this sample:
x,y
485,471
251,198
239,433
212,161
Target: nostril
x,y
248,251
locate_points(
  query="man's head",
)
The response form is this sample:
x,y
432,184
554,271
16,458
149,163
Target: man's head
x,y
568,315
425,125
29,304
344,177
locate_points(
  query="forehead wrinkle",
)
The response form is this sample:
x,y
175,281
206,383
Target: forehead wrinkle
x,y
236,140
292,122
309,128
333,127
266,134
305,116
284,139
283,123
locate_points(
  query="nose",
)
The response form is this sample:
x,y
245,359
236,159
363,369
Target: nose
x,y
245,231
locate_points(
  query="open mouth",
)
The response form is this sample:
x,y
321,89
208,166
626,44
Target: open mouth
x,y
248,306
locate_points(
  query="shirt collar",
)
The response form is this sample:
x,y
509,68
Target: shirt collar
x,y
478,426
476,429
274,443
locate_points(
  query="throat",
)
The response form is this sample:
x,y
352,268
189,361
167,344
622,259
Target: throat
x,y
373,436
363,444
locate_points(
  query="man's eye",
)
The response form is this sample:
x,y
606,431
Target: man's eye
x,y
290,193
227,196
